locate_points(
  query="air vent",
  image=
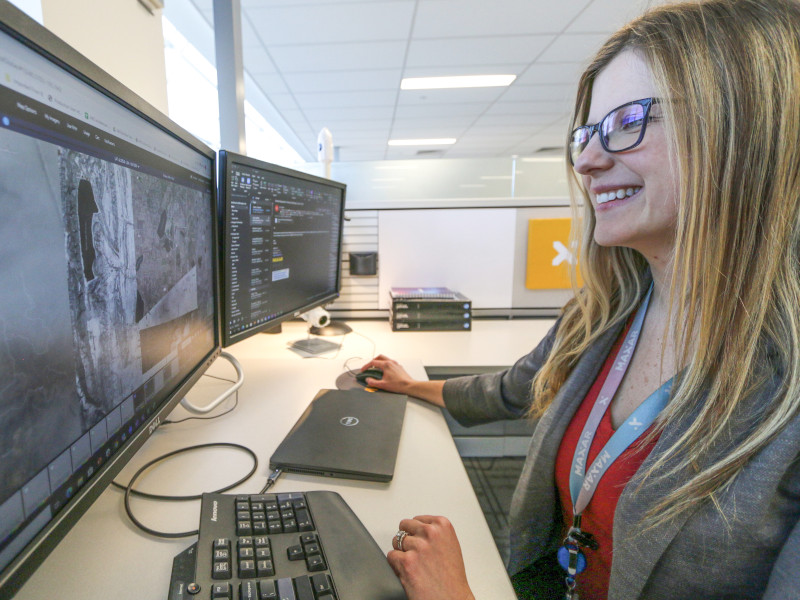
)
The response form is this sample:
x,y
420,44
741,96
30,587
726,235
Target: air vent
x,y
424,153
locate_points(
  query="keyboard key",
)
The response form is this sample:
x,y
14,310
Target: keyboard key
x,y
275,527
265,568
247,569
222,543
245,542
248,590
259,527
308,538
261,541
304,520
286,590
302,585
221,591
246,552
295,553
311,549
289,526
267,590
221,570
222,554
263,553
321,583
315,563
244,528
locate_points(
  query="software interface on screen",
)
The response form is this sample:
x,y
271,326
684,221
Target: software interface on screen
x,y
283,236
107,299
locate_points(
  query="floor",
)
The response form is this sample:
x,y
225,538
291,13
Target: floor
x,y
494,480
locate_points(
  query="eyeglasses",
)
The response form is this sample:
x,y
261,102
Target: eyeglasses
x,y
621,129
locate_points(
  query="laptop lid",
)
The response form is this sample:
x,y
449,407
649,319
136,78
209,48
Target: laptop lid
x,y
353,434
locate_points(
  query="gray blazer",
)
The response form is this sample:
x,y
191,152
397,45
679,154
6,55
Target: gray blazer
x,y
749,550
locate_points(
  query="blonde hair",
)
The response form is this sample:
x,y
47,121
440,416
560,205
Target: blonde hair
x,y
730,72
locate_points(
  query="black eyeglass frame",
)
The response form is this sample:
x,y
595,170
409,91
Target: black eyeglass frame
x,y
647,103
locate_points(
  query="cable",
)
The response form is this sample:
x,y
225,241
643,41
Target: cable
x,y
271,480
222,414
170,535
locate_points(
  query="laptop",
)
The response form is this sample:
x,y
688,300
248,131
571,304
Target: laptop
x,y
352,434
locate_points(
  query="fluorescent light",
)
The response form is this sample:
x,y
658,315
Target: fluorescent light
x,y
456,81
424,142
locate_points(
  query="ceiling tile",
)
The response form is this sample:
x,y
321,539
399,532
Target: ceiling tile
x,y
338,63
459,96
339,57
270,83
332,23
609,15
475,52
573,47
338,81
453,18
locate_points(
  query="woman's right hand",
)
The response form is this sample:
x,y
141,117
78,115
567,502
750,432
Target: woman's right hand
x,y
396,379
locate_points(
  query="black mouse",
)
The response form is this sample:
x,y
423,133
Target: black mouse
x,y
373,372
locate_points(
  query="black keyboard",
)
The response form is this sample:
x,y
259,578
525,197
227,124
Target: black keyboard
x,y
295,546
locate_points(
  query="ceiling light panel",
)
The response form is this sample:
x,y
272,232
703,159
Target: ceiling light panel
x,y
456,81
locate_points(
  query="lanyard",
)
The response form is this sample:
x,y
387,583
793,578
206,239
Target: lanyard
x,y
583,482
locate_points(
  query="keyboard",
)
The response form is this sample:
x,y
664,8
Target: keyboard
x,y
291,546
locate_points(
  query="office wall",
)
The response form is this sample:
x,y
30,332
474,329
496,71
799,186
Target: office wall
x,y
120,36
461,223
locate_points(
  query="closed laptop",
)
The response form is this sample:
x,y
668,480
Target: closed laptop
x,y
353,434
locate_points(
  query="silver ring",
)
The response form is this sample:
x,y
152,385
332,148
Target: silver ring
x,y
398,537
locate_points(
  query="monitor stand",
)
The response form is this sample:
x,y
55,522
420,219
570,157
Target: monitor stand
x,y
331,329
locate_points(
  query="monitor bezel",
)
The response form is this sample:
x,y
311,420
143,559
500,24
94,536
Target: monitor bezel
x,y
25,30
226,159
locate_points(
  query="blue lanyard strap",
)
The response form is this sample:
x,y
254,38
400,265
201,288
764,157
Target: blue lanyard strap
x,y
583,483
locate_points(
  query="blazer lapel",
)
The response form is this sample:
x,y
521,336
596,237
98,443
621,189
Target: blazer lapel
x,y
638,548
536,494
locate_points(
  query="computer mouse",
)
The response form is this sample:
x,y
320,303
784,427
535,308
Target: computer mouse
x,y
373,372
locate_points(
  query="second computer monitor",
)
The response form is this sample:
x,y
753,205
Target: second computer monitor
x,y
282,243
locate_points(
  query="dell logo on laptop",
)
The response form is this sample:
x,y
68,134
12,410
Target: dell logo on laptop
x,y
348,421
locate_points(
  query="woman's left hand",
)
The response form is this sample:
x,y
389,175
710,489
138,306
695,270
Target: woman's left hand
x,y
429,564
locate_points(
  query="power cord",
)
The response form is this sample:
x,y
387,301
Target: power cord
x,y
129,491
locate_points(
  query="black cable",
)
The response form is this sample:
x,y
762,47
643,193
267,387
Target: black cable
x,y
130,491
222,414
271,480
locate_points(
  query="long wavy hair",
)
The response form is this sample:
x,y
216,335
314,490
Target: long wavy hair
x,y
730,72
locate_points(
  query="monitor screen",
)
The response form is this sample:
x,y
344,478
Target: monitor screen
x,y
281,246
108,303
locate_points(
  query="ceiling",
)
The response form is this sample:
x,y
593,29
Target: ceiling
x,y
338,64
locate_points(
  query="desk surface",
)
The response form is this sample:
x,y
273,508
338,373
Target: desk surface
x,y
104,555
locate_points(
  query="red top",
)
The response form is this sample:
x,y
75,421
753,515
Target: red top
x,y
598,517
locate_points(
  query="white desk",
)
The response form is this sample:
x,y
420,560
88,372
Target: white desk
x,y
106,556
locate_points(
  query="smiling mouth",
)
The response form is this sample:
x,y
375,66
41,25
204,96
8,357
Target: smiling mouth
x,y
617,194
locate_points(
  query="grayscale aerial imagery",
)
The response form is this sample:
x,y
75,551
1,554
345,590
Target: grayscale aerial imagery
x,y
100,267
39,411
101,271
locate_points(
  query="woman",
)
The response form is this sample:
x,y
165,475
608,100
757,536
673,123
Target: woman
x,y
684,339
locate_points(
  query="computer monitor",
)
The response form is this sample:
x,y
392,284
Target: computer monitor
x,y
281,243
108,302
